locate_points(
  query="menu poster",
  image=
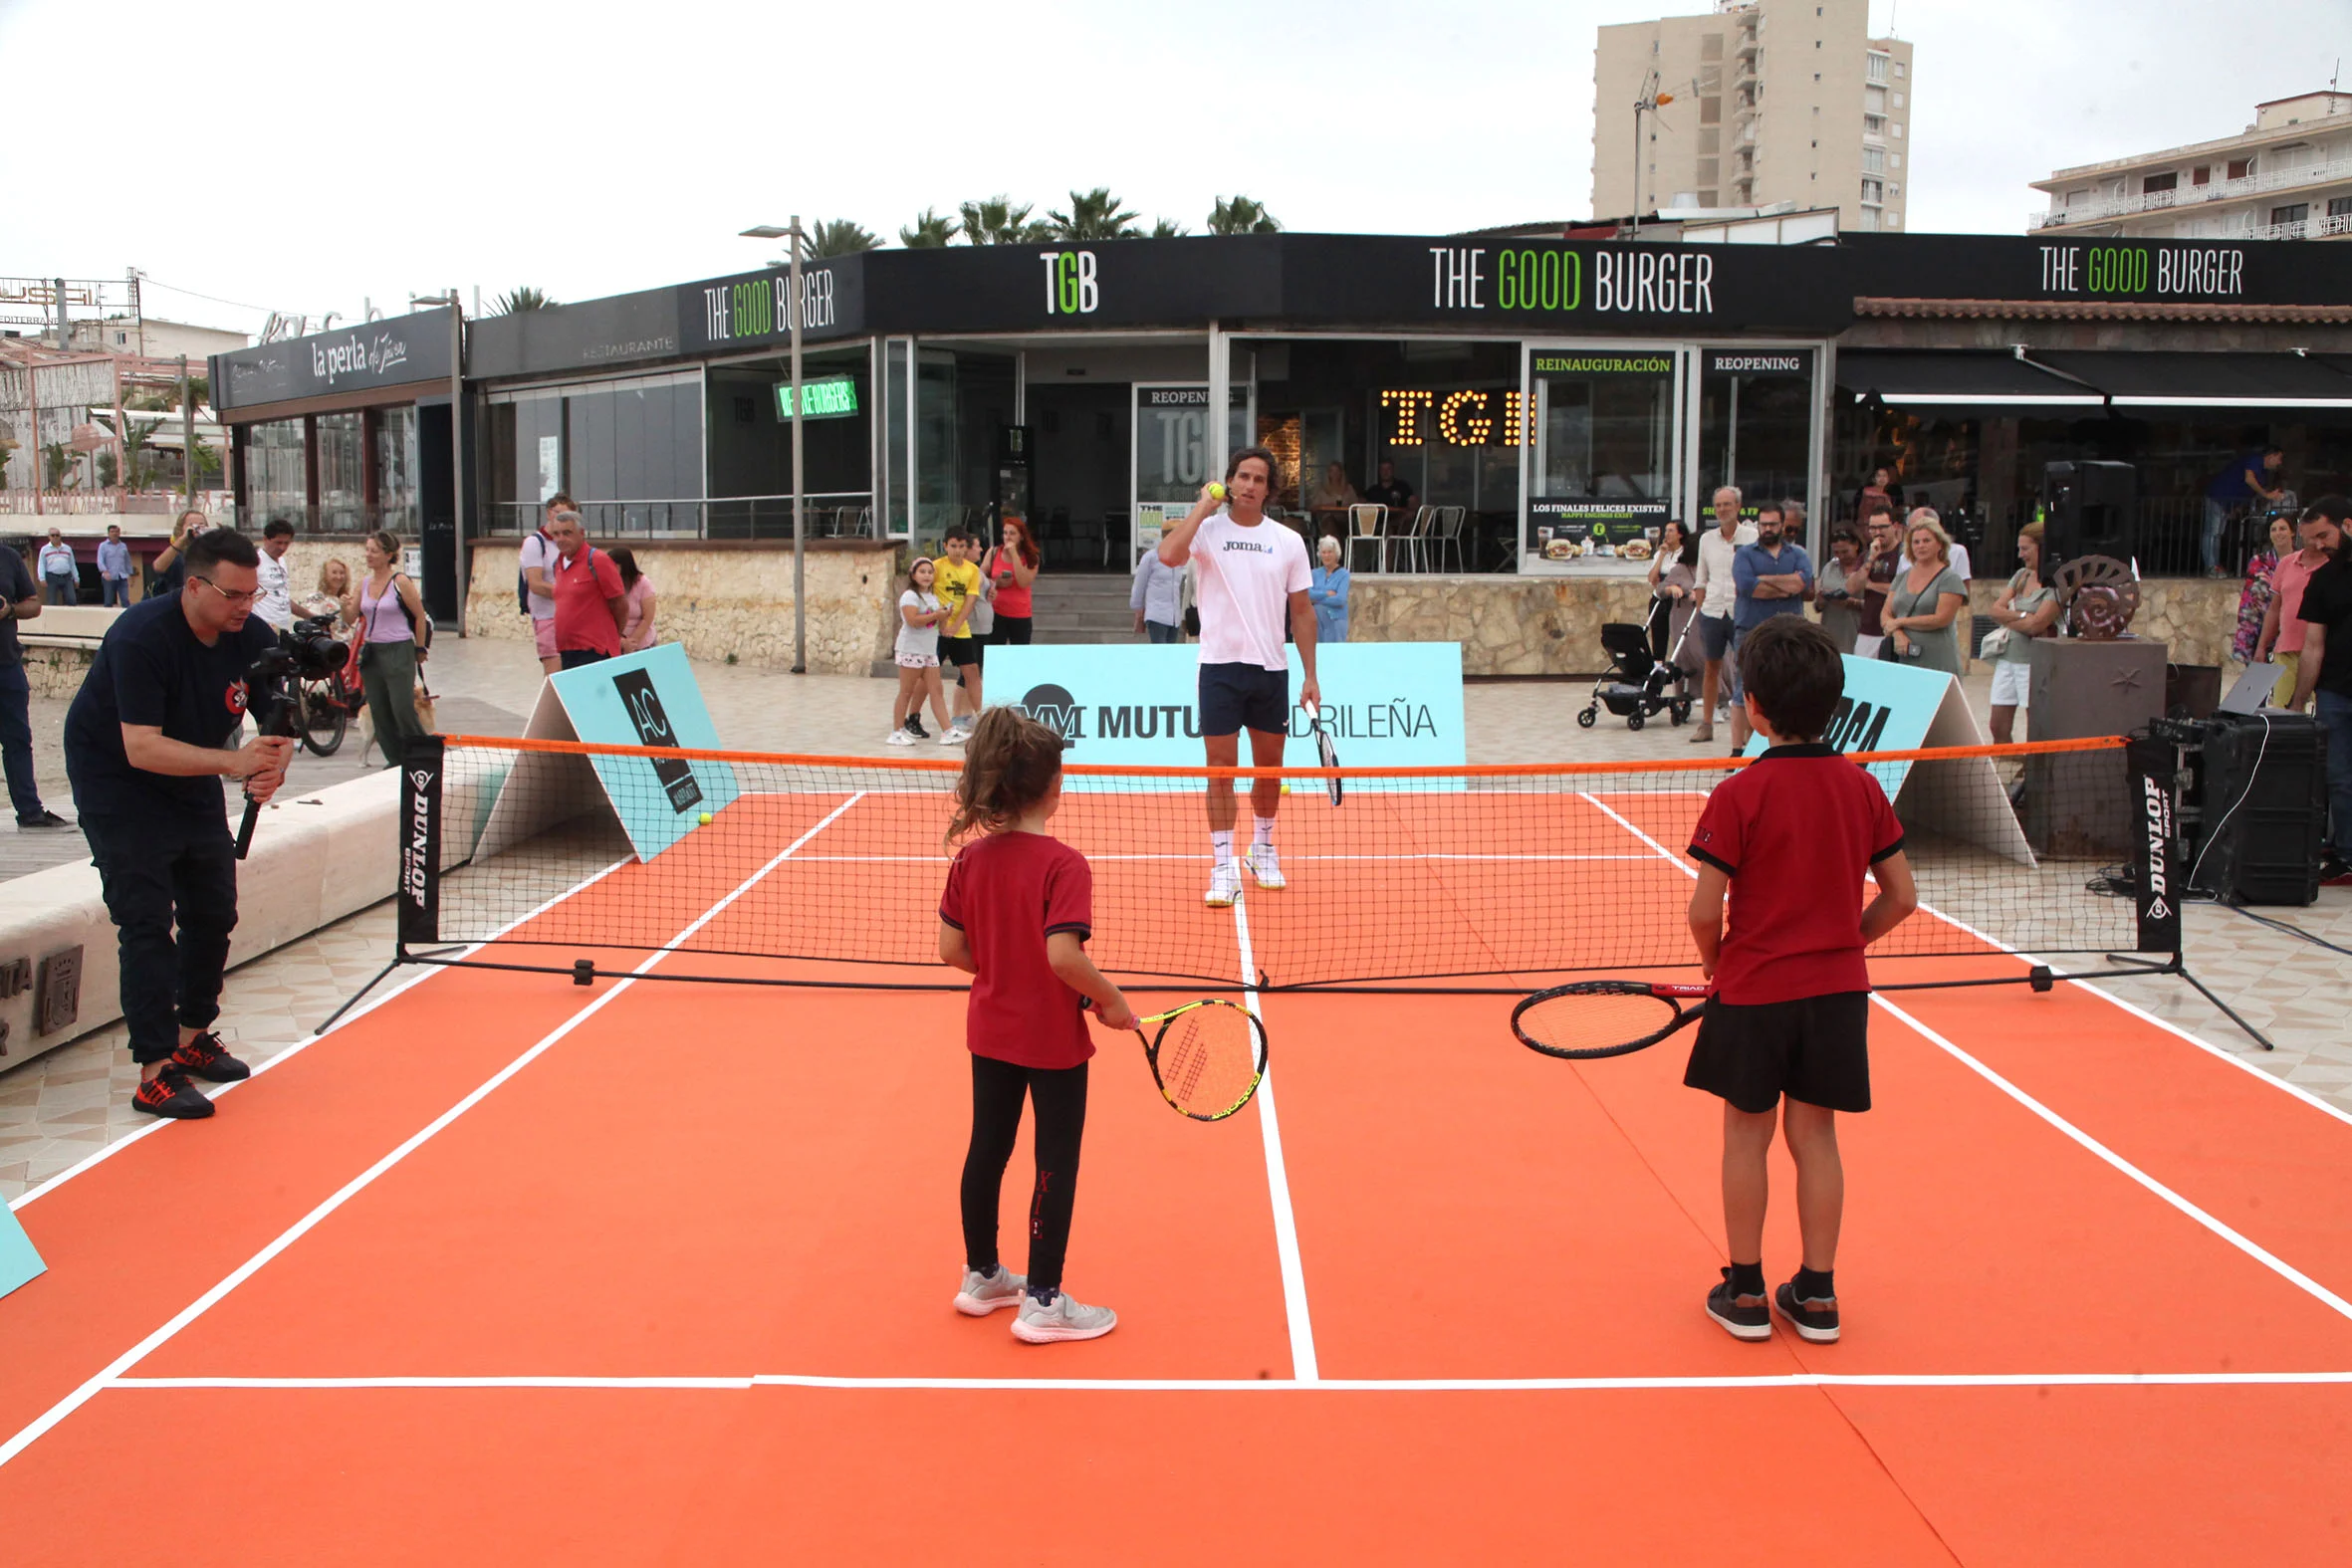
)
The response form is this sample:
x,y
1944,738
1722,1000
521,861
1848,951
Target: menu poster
x,y
1569,527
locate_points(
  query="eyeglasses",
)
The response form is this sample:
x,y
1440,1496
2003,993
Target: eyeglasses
x,y
231,594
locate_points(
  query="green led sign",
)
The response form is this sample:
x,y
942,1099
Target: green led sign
x,y
834,399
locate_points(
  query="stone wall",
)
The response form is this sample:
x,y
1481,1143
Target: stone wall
x,y
732,603
1551,625
56,672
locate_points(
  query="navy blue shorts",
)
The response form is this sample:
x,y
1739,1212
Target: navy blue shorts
x,y
1237,696
1715,635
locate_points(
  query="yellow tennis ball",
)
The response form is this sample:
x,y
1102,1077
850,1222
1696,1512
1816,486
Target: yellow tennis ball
x,y
1216,491
704,819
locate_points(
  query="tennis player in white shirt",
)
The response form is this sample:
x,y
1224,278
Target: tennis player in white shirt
x,y
1251,573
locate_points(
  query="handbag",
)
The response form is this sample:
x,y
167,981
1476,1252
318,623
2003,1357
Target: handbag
x,y
1993,643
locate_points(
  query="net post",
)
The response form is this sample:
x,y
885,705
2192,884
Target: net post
x,y
2156,792
419,894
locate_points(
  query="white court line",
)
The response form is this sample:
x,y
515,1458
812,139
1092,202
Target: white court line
x,y
358,1183
1792,1380
383,995
1304,1366
2251,1248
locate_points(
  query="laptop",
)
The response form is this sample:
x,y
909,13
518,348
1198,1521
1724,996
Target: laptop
x,y
2252,691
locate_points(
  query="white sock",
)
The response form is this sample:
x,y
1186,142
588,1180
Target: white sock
x,y
1223,843
1261,830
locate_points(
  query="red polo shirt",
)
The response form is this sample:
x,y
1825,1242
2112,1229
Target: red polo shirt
x,y
583,618
1794,830
1007,892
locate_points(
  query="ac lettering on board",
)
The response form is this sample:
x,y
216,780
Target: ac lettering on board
x,y
1070,287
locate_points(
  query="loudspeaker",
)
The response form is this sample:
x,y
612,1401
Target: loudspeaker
x,y
2087,511
2261,801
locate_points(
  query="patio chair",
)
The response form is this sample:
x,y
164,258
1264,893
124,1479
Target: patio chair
x,y
1367,524
1449,533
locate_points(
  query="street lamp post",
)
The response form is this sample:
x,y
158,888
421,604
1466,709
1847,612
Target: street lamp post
x,y
792,311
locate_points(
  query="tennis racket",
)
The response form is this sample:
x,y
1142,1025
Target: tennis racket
x,y
1208,1059
1330,756
1605,1017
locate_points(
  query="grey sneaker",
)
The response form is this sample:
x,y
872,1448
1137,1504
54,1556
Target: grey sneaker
x,y
1043,1322
980,1296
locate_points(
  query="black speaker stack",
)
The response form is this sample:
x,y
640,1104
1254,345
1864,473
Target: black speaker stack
x,y
2087,510
2253,805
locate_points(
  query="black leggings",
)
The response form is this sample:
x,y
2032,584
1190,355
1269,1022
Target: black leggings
x,y
1060,1094
1012,631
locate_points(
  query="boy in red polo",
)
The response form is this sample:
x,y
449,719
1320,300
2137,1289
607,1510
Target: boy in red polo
x,y
1790,837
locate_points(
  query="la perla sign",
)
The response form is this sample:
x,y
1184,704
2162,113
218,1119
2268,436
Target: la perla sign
x,y
358,353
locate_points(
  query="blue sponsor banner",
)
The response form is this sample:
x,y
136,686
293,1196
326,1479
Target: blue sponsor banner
x,y
1890,707
18,1262
648,698
1385,703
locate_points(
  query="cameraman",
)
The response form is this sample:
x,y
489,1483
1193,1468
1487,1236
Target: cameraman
x,y
143,746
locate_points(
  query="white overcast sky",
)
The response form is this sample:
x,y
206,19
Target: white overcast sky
x,y
303,156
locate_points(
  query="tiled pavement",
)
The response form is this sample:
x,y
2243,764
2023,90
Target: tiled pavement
x,y
61,1107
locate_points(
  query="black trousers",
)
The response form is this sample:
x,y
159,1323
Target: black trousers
x,y
155,869
1059,1095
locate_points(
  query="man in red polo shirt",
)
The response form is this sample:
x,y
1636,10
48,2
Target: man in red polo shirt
x,y
591,608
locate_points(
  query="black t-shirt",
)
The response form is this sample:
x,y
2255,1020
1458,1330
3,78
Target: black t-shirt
x,y
151,670
1396,494
2327,600
16,583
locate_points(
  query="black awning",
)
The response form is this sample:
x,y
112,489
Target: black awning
x,y
2207,380
1992,380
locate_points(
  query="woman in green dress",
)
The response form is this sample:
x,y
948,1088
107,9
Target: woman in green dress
x,y
1925,600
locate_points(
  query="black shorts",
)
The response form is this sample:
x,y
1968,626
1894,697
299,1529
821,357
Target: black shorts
x,y
960,652
1815,1050
1237,696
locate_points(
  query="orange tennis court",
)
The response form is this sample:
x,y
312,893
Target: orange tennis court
x,y
503,1269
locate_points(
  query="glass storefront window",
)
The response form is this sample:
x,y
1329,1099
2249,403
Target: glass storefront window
x,y
275,484
343,480
1445,414
522,461
395,471
630,452
1756,424
1604,449
1172,456
899,396
751,457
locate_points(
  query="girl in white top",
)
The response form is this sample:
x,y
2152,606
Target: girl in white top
x,y
1253,577
917,652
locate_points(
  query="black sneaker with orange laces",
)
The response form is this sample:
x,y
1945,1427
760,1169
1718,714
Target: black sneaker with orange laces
x,y
204,1058
170,1093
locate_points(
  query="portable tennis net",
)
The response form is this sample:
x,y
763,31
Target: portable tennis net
x,y
826,871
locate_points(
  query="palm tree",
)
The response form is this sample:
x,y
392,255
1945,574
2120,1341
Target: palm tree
x,y
839,237
1093,215
995,220
1168,229
1242,215
929,232
522,297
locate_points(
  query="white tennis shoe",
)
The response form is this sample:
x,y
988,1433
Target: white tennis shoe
x,y
1046,1322
951,736
1266,865
981,1296
901,737
1225,885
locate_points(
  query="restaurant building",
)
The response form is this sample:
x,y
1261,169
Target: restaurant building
x,y
1555,399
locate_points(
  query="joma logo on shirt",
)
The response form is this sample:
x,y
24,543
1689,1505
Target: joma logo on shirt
x,y
1243,544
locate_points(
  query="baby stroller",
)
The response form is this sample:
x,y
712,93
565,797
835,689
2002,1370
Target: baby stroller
x,y
1641,684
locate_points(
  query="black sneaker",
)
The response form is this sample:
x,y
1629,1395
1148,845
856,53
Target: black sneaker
x,y
170,1093
2334,872
45,819
1739,1319
204,1058
915,727
1812,1319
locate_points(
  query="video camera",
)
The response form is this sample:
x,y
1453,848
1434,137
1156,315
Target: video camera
x,y
306,652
